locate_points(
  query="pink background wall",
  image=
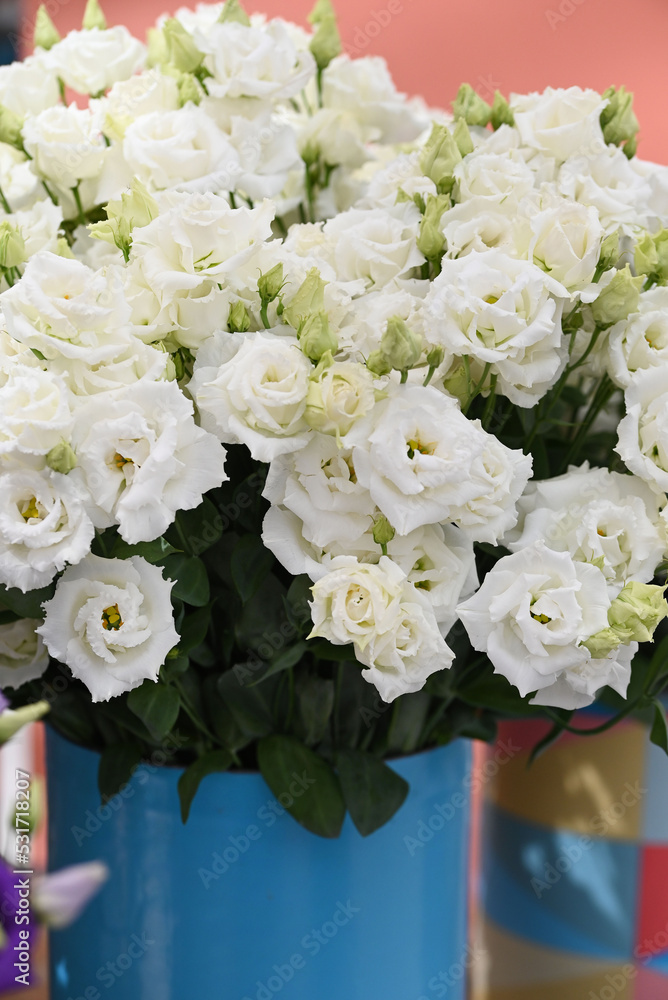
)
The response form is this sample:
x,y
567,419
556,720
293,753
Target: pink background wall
x,y
434,45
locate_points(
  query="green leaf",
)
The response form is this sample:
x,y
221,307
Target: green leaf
x,y
373,792
117,765
250,564
315,697
194,629
197,530
210,763
26,605
409,715
549,739
191,581
284,661
157,705
304,784
659,731
251,706
152,552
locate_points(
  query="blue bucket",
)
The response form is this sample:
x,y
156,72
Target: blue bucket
x,y
243,904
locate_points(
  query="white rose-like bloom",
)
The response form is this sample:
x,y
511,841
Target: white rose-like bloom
x,y
423,462
390,622
640,341
60,307
66,145
337,136
340,394
530,615
29,86
566,242
503,312
39,226
364,88
643,432
267,149
130,99
34,410
111,622
608,182
482,224
375,245
251,389
91,61
23,655
495,177
561,122
19,182
43,526
257,62
143,458
599,517
168,149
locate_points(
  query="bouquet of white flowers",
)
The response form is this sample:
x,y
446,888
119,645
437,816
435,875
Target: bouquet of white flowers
x,y
331,427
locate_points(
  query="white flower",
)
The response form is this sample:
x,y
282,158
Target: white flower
x,y
423,462
498,178
375,245
91,61
43,526
267,149
599,517
19,182
34,410
643,432
251,389
482,224
39,226
130,99
561,122
29,86
23,655
390,622
566,242
111,622
337,136
143,458
62,308
256,62
530,615
66,145
640,341
338,395
168,149
502,312
608,182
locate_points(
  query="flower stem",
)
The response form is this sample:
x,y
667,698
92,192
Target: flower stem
x,y
77,198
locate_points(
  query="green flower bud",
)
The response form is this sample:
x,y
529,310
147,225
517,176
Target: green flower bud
x,y
135,209
501,113
182,52
189,89
62,459
11,720
457,383
238,320
661,244
609,255
315,337
462,137
401,347
93,17
646,256
435,357
158,53
12,246
630,147
310,298
270,284
326,42
10,128
378,364
233,11
383,532
637,612
618,120
439,158
603,643
618,299
46,35
431,239
469,106
63,249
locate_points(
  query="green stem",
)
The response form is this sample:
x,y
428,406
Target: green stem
x,y
49,192
404,375
491,401
310,194
77,198
281,225
603,393
192,714
264,315
430,375
478,386
5,203
233,200
603,728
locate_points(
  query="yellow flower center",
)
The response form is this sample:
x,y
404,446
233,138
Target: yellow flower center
x,y
30,508
415,445
111,618
543,619
120,461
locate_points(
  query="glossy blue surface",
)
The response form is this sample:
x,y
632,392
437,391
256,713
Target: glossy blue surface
x,y
243,904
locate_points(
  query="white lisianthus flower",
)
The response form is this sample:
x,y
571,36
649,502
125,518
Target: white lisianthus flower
x,y
62,308
608,182
43,526
375,245
20,184
338,395
566,242
66,145
167,149
423,462
91,61
23,655
503,312
267,149
142,458
494,178
482,224
128,100
336,136
251,389
39,226
643,432
29,86
111,622
35,413
257,62
640,341
530,616
598,517
390,622
560,122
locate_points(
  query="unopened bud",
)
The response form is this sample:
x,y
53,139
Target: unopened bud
x,y
46,35
431,238
618,299
315,337
94,17
238,320
12,246
469,106
383,532
233,12
62,459
270,284
439,158
501,112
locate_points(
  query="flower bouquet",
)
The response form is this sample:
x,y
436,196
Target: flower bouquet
x,y
331,427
